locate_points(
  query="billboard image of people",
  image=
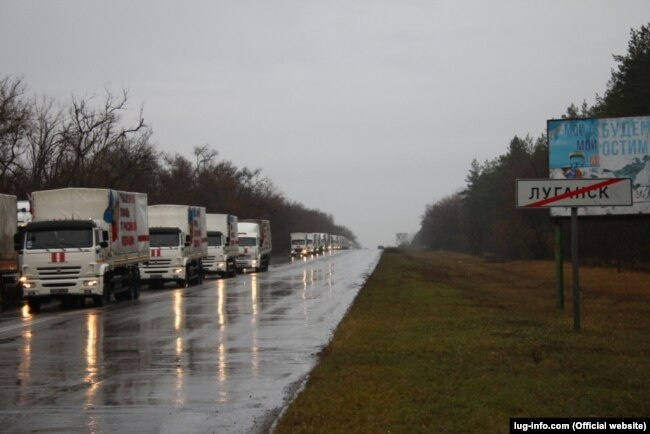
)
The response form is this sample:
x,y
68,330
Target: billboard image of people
x,y
603,148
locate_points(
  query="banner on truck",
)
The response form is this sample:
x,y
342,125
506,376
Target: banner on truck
x,y
602,148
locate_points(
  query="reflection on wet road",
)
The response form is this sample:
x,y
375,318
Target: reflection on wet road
x,y
221,357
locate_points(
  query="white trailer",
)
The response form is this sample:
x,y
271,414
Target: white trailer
x,y
223,245
83,243
179,244
9,288
254,245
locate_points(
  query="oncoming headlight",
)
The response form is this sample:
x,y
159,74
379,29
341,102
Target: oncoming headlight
x,y
91,282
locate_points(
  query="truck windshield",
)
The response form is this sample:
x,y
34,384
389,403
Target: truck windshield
x,y
298,242
214,240
247,241
163,239
58,238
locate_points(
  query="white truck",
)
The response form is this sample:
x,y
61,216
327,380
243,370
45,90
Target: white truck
x,y
317,243
301,244
179,243
9,288
83,243
24,213
254,245
223,245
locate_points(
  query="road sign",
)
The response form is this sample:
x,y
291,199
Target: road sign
x,y
546,193
574,193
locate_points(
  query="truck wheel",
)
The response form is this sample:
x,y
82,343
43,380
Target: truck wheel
x,y
129,294
184,283
135,290
101,300
34,305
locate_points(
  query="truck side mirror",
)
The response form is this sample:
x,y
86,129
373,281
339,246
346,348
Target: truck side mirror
x,y
105,237
103,244
227,241
188,241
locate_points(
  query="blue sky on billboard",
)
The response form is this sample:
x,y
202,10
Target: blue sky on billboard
x,y
366,110
604,148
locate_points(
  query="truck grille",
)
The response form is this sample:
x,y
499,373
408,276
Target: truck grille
x,y
52,273
159,263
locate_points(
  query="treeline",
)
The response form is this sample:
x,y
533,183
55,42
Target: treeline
x,y
90,143
482,219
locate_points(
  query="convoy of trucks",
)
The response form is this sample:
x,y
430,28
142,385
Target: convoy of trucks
x,y
83,243
178,245
78,244
254,245
8,256
306,243
223,245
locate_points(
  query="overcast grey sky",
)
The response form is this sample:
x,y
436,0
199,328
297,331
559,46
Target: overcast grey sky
x,y
365,109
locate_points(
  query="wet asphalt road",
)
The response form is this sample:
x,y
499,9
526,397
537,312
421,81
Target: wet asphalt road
x,y
221,357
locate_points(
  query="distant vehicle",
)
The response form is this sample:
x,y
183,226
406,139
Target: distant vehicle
x,y
83,243
179,243
223,245
301,244
317,243
254,245
24,209
8,256
327,242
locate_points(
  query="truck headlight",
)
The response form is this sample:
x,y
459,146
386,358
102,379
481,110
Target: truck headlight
x,y
178,270
92,283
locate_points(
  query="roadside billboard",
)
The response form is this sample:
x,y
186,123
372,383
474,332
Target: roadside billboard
x,y
602,148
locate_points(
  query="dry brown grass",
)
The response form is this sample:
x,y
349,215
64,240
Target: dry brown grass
x,y
442,342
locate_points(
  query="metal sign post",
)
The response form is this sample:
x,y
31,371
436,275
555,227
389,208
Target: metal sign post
x,y
576,272
574,193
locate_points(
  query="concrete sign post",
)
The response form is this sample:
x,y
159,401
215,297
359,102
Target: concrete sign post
x,y
574,193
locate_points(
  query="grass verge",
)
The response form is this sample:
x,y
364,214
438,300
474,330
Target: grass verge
x,y
447,343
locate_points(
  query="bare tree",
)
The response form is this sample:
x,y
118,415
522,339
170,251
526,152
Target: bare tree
x,y
90,133
15,112
44,152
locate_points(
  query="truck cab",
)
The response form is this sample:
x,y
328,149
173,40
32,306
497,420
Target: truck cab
x,y
222,245
64,260
254,245
301,244
178,245
166,260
